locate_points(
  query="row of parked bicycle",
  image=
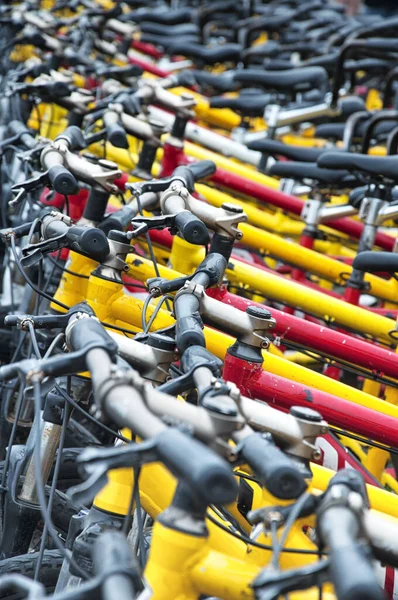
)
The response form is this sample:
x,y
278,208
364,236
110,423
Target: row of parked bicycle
x,y
199,366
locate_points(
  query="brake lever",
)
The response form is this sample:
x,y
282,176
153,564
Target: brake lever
x,y
34,253
157,286
151,186
270,584
29,185
143,224
50,321
96,462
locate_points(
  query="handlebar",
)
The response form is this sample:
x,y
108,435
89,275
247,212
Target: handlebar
x,y
192,229
276,470
114,561
115,133
206,474
16,128
193,173
73,137
340,529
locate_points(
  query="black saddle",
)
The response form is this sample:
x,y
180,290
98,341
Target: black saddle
x,y
373,262
293,80
376,166
208,55
222,82
248,105
276,148
170,30
167,42
166,17
300,171
335,131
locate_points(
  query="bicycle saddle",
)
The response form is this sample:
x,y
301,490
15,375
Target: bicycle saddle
x,y
373,262
277,64
379,166
335,131
330,131
166,17
276,148
369,65
222,82
170,30
168,41
327,61
270,49
293,80
248,105
207,54
301,171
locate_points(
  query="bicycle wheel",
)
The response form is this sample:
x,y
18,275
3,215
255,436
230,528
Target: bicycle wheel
x,y
25,565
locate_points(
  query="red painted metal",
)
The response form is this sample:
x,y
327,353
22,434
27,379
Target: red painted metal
x,y
292,204
277,391
335,456
172,157
352,295
148,67
321,338
147,49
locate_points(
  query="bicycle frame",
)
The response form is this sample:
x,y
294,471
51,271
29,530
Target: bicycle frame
x,y
184,566
360,412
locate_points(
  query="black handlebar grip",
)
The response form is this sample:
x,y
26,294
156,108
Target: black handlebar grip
x,y
89,333
114,562
192,229
116,135
190,174
118,220
74,136
202,169
62,180
276,470
90,241
373,262
59,89
206,474
351,569
17,128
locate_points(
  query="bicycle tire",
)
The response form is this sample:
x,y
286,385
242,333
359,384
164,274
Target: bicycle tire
x,y
25,565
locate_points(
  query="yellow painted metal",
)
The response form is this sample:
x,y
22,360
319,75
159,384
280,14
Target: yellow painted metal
x,y
312,261
228,164
380,500
224,118
311,301
218,343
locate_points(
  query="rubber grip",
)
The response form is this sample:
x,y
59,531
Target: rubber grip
x,y
17,128
116,135
202,169
205,473
74,136
190,174
188,333
118,220
114,562
59,89
275,469
353,576
62,180
192,229
89,333
90,241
